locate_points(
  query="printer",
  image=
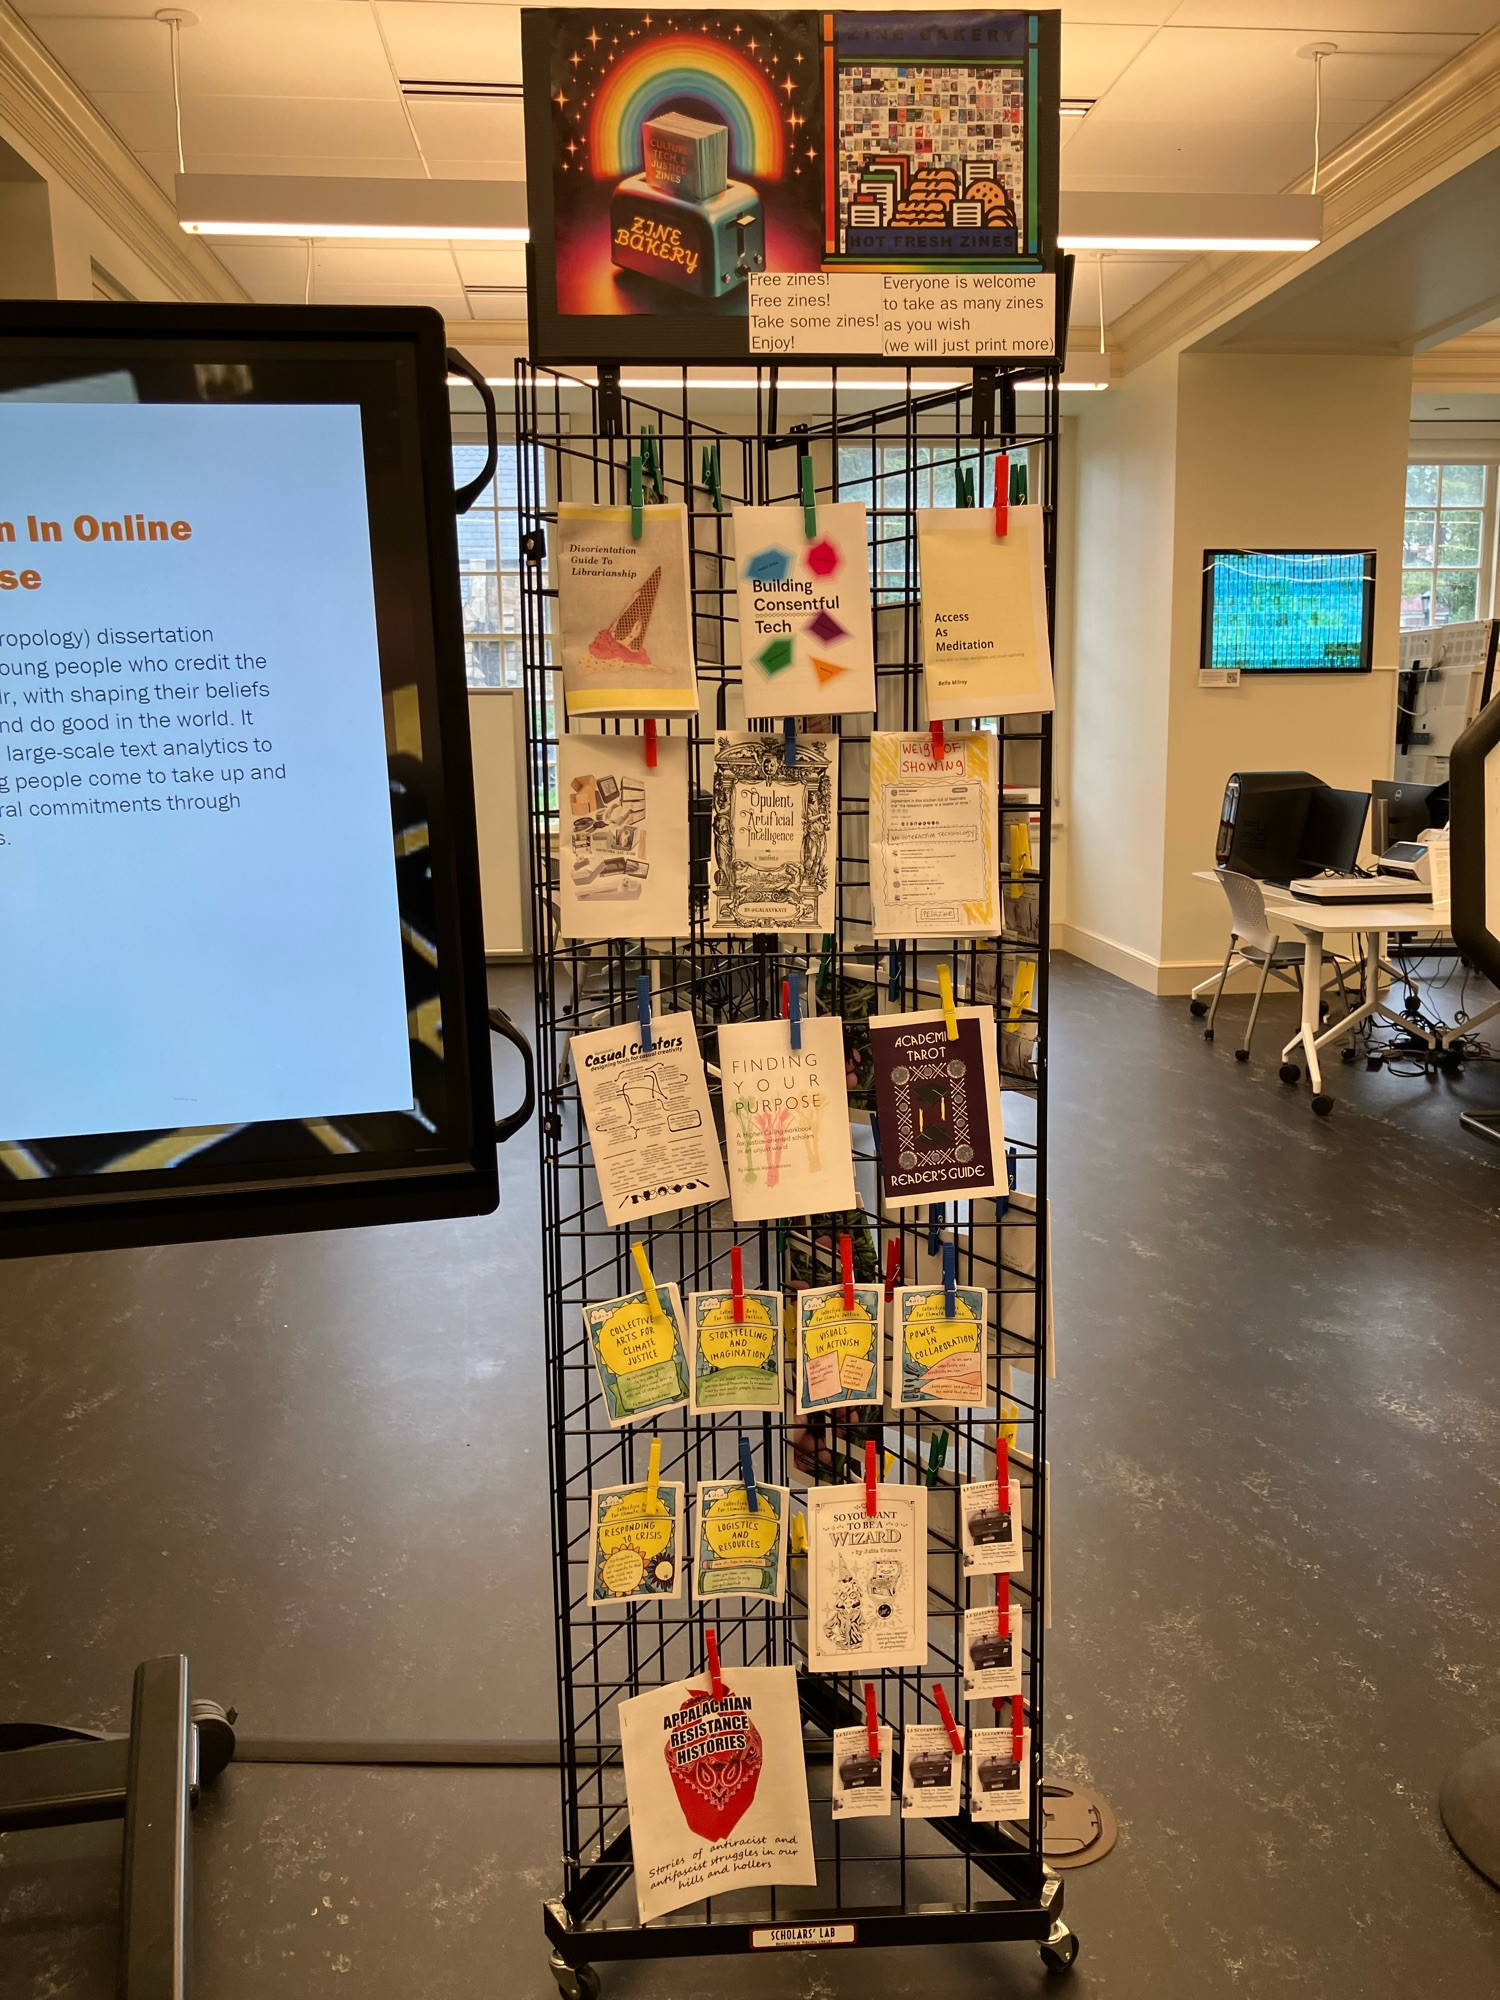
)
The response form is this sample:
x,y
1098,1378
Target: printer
x,y
1409,871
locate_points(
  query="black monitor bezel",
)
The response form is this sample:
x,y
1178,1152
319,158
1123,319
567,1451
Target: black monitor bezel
x,y
187,1204
1367,647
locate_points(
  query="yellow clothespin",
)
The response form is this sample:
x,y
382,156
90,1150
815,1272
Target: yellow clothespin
x,y
653,1477
1020,857
799,1535
945,994
1024,990
890,1460
1010,1417
648,1283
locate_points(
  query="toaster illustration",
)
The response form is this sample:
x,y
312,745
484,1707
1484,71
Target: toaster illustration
x,y
931,1770
860,1773
999,1774
990,1649
990,1526
683,221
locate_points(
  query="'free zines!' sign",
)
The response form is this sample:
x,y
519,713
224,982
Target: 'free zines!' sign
x,y
904,317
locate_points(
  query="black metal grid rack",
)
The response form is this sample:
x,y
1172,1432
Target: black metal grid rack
x,y
880,1881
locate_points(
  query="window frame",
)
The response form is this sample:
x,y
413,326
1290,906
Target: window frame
x,y
1441,457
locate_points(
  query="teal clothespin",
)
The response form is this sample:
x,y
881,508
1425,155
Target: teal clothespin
x,y
637,498
809,503
937,1451
651,464
789,741
964,480
1018,482
950,1281
711,476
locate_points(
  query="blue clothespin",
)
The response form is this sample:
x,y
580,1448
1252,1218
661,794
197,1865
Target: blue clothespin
x,y
747,1473
794,1008
789,733
1002,1202
643,1008
950,1281
875,1136
936,1217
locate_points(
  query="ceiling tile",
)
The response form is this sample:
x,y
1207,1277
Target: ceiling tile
x,y
472,43
460,131
311,127
1095,57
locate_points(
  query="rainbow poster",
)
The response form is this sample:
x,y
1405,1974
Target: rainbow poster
x,y
676,161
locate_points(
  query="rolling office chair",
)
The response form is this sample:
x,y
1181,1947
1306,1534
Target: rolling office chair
x,y
1253,942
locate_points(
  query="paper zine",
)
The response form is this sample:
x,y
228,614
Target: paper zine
x,y
941,1133
651,1130
635,1543
932,837
806,643
640,1356
624,612
774,833
866,1579
985,649
786,1119
622,865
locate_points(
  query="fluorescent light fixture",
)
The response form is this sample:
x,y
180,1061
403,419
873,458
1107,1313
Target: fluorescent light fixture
x,y
1190,222
1076,107
354,210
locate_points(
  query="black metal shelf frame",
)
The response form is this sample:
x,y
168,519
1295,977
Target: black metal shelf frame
x,y
893,1881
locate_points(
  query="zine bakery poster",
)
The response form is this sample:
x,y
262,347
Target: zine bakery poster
x,y
786,1118
736,1363
932,836
635,1543
941,1133
716,1788
939,1358
774,829
624,612
651,1130
640,1356
838,1350
740,1552
806,641
866,1579
623,854
985,649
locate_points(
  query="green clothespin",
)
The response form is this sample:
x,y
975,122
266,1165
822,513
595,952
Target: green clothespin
x,y
651,464
1018,481
964,479
809,504
937,1451
711,476
637,498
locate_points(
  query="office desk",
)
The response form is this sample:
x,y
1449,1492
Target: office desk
x,y
1372,921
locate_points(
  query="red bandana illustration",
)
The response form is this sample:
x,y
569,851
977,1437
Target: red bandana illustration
x,y
713,1751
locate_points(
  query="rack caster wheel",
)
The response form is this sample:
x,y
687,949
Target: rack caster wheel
x,y
1347,1055
1451,1064
574,1982
1197,1008
1322,1104
1208,1034
1289,1073
1061,1948
1242,1055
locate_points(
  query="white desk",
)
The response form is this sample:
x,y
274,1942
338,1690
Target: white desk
x,y
1373,922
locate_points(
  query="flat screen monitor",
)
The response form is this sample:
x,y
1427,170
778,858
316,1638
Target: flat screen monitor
x,y
1288,611
1332,831
244,985
1403,811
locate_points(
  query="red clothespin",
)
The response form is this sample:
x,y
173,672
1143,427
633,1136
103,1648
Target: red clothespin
x,y
715,1677
846,1260
939,749
941,1698
872,1505
872,1720
892,1267
1002,1472
737,1283
1002,1604
650,742
1017,1728
1002,496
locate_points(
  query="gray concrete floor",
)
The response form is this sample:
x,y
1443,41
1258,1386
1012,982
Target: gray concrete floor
x,y
316,1465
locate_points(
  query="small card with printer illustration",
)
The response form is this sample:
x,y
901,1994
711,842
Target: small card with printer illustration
x,y
716,1787
774,830
941,1133
624,612
736,1363
990,1535
640,1356
932,1772
933,825
866,1579
861,1783
738,1553
999,1787
635,1543
806,642
985,647
838,1351
786,1119
938,1359
992,1651
652,1136
622,864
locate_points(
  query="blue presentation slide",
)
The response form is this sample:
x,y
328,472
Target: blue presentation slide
x,y
198,916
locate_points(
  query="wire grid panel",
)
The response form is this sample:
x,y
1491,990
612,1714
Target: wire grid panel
x,y
896,458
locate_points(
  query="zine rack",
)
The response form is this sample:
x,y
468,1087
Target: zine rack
x,y
880,1881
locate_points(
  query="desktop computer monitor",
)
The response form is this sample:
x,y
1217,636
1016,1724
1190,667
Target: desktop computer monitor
x,y
1402,811
1261,823
1332,832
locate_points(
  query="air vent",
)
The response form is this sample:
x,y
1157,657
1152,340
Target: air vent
x,y
470,93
